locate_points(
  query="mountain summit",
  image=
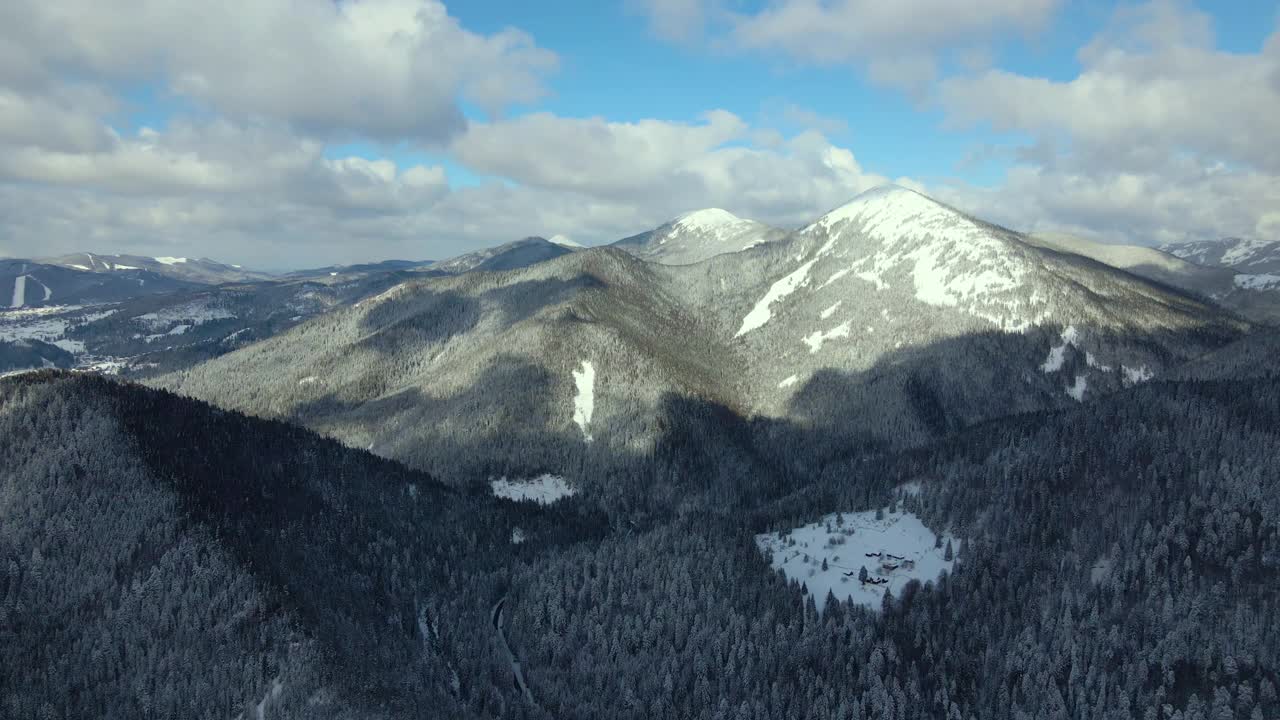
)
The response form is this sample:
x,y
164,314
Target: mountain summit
x,y
698,235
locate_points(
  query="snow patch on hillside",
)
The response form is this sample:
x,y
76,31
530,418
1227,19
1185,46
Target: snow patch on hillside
x,y
761,313
1076,391
171,260
719,224
1058,353
19,292
1257,282
1244,249
1134,376
544,489
895,549
817,339
584,402
831,310
788,381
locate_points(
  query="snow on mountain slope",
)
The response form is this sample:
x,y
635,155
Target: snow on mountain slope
x,y
1247,294
696,236
1151,263
889,322
19,292
900,317
1246,255
196,270
433,370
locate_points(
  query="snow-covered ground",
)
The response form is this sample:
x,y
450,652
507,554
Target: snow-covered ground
x,y
1133,376
584,402
1077,389
761,313
1058,353
19,291
789,381
50,324
816,340
544,489
1257,282
895,550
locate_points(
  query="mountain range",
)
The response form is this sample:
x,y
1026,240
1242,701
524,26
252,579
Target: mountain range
x,y
897,463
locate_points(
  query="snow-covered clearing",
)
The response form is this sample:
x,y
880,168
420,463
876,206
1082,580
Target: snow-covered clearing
x,y
171,260
19,292
307,380
816,339
584,402
1058,353
789,381
544,489
761,313
895,550
831,310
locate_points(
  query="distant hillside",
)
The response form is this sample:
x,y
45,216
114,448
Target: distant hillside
x,y
696,236
196,270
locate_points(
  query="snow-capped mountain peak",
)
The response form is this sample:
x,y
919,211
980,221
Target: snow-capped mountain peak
x,y
707,219
565,241
887,210
951,259
698,235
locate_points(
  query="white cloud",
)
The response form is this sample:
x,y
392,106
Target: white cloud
x,y
254,194
1172,93
1159,138
664,168
897,43
679,20
388,69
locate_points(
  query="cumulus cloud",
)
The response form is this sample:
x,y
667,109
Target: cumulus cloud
x,y
666,167
897,43
1172,93
255,193
387,69
1160,137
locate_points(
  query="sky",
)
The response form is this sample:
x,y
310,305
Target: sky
x,y
290,133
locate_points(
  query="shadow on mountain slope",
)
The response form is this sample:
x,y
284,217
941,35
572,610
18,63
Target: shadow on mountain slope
x,y
684,484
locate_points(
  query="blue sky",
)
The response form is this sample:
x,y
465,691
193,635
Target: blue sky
x,y
283,132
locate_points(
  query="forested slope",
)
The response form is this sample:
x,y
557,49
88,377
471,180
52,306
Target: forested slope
x,y
167,559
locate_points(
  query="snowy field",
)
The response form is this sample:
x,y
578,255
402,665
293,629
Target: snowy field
x,y
895,550
48,324
544,489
